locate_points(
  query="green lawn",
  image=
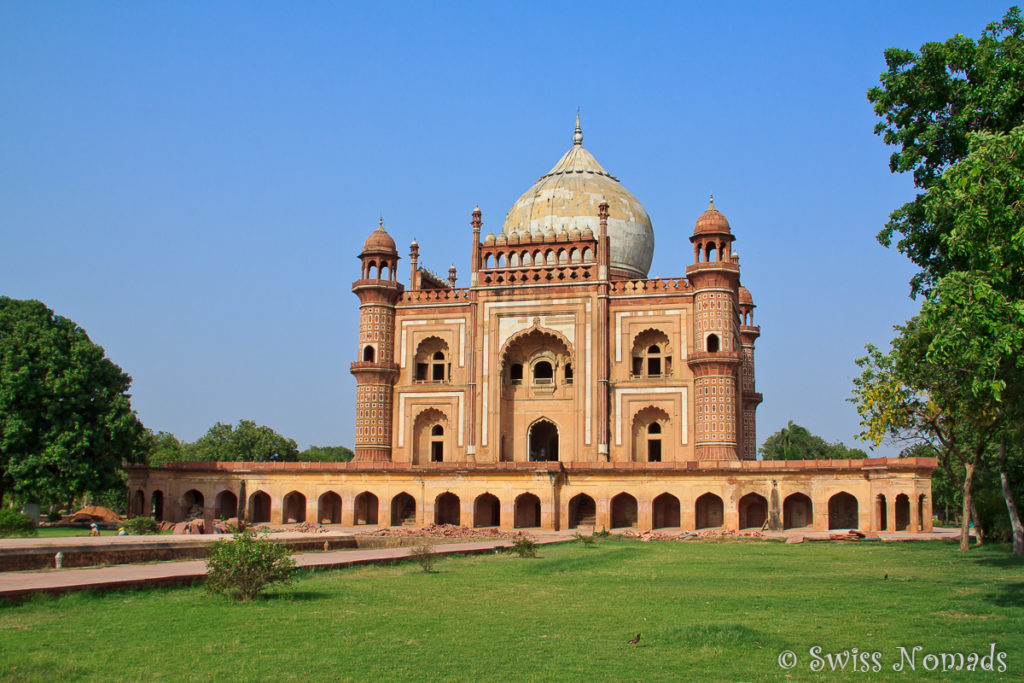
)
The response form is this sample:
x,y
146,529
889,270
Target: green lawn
x,y
706,610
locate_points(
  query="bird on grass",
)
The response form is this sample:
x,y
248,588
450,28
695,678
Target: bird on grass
x,y
635,640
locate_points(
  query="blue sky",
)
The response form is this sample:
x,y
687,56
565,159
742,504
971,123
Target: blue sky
x,y
191,182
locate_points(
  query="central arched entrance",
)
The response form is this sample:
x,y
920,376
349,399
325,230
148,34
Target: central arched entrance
x,y
543,441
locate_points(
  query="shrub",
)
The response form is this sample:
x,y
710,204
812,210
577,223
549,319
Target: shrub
x,y
137,526
425,556
603,533
525,547
13,523
245,565
587,541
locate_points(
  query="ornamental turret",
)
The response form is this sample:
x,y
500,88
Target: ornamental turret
x,y
717,356
749,332
375,370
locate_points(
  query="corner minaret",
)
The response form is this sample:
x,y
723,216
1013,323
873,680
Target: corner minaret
x,y
716,340
749,332
375,370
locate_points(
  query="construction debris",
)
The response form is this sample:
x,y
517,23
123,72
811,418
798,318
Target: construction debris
x,y
93,513
449,531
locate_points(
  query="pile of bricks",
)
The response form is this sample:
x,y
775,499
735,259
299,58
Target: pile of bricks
x,y
687,535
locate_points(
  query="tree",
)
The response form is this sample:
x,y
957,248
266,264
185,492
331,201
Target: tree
x,y
943,382
66,421
930,103
162,448
326,454
247,442
794,442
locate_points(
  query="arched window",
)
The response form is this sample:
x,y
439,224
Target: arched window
x,y
568,373
437,443
515,373
712,343
654,442
432,361
651,355
543,373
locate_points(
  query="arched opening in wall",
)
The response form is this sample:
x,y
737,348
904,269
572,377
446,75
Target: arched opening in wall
x,y
384,271
486,511
713,343
446,509
543,373
430,429
543,440
651,355
192,504
225,505
371,270
797,511
515,373
365,508
367,354
259,508
881,513
156,500
294,508
432,361
527,259
526,514
489,261
138,506
753,509
842,511
902,513
563,257
588,255
920,513
654,442
550,258
437,443
403,510
582,511
710,511
711,252
665,512
568,374
513,260
624,511
574,255
328,508
650,430
501,260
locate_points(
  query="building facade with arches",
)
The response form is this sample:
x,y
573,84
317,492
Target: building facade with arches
x,y
562,387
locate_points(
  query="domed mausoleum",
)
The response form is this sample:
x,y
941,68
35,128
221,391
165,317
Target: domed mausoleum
x,y
562,387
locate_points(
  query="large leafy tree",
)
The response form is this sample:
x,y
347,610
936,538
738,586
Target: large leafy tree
x,y
930,102
66,421
794,442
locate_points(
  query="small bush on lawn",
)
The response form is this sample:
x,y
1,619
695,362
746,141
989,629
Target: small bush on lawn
x,y
587,541
525,547
13,523
138,526
245,565
425,556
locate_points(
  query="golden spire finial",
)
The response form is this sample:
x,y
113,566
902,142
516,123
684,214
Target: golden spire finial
x,y
577,137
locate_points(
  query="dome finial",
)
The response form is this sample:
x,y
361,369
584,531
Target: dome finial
x,y
711,201
577,137
380,224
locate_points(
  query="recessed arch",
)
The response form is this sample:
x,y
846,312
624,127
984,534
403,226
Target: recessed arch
x,y
294,508
797,511
486,511
526,512
432,360
842,511
753,509
651,428
156,503
881,512
623,511
225,505
431,437
328,509
902,513
365,508
582,511
542,441
710,511
259,507
447,509
665,512
403,510
192,504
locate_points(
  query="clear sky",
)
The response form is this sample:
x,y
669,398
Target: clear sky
x,y
191,182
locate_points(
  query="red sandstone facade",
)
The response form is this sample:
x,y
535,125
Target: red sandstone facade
x,y
561,388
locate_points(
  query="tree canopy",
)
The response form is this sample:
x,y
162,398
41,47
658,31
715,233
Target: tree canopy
x,y
794,442
930,103
246,441
66,421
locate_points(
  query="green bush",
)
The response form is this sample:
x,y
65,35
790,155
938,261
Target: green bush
x,y
245,565
13,523
137,526
525,547
587,541
425,556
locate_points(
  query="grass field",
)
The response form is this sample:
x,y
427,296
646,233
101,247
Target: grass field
x,y
706,611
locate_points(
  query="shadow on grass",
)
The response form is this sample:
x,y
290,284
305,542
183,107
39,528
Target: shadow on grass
x,y
293,596
1008,595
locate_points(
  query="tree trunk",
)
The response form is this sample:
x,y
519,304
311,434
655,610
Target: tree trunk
x,y
979,531
965,537
1011,504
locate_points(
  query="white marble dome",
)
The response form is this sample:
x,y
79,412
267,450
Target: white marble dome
x,y
568,196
